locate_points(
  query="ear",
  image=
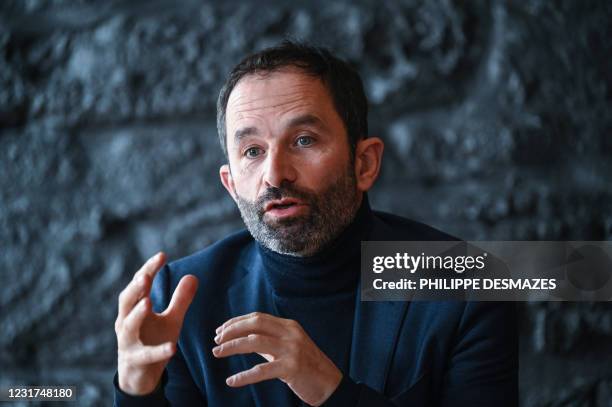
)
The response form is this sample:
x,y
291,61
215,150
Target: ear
x,y
226,179
368,157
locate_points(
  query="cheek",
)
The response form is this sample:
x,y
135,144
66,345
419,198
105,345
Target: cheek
x,y
246,184
318,172
336,160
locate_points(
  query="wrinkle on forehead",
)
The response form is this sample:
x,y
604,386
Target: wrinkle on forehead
x,y
294,100
243,100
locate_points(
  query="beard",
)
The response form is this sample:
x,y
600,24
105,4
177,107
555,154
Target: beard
x,y
329,213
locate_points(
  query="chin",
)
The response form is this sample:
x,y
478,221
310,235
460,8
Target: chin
x,y
289,224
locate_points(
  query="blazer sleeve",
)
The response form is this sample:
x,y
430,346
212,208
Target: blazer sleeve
x,y
350,393
177,387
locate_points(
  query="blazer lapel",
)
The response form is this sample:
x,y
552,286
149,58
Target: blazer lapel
x,y
248,295
376,328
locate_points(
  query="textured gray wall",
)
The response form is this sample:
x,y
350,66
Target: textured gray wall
x,y
496,116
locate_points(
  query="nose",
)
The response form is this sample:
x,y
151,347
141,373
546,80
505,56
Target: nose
x,y
278,168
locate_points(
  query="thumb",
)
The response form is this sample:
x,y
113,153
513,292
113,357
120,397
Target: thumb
x,y
182,297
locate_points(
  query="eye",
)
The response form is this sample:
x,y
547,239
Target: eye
x,y
304,141
252,152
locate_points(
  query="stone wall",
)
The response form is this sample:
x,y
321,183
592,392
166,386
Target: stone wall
x,y
496,117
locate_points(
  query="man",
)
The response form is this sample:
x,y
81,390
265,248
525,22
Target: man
x,y
276,320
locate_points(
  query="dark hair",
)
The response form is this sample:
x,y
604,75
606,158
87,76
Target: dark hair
x,y
342,81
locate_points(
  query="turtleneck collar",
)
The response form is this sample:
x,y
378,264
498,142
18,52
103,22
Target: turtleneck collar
x,y
335,269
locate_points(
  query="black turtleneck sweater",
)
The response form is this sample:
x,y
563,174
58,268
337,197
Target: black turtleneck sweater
x,y
319,291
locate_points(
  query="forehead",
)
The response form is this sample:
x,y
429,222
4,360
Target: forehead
x,y
276,93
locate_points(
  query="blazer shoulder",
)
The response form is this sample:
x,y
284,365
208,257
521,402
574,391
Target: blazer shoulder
x,y
393,227
220,259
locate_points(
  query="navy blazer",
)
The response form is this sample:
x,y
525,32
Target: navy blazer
x,y
418,353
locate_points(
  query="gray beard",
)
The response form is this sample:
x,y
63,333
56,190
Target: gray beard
x,y
330,212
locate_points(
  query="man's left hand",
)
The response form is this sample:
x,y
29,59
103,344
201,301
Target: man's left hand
x,y
290,353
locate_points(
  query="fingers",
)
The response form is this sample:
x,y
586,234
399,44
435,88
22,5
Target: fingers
x,y
152,266
256,323
133,321
252,343
139,286
235,319
256,374
182,297
145,355
131,294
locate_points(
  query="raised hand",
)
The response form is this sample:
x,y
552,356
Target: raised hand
x,y
147,340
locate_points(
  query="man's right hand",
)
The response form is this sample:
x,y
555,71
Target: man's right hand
x,y
147,340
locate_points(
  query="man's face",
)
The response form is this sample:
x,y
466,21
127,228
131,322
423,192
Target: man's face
x,y
289,170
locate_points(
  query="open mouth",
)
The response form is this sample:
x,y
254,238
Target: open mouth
x,y
281,204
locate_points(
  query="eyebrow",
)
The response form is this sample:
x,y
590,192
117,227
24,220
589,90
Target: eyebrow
x,y
303,120
244,132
